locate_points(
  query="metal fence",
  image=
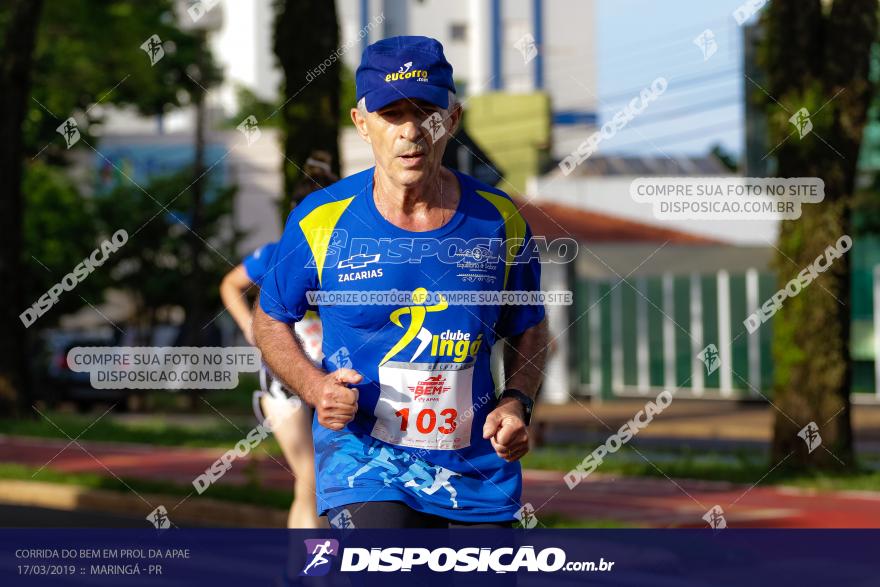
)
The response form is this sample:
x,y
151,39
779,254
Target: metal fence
x,y
646,334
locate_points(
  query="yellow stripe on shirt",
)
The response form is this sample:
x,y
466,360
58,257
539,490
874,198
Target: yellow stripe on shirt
x,y
514,227
318,225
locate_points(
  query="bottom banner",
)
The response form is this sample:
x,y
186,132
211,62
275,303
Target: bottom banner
x,y
215,557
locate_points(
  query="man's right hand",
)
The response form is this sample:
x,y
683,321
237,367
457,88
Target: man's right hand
x,y
334,401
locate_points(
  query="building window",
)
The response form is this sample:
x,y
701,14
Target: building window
x,y
458,31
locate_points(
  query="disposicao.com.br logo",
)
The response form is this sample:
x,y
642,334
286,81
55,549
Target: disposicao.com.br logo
x,y
321,552
443,559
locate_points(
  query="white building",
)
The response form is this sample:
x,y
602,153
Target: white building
x,y
488,44
487,41
602,185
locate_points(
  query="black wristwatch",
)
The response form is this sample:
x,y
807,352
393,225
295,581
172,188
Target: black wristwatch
x,y
527,402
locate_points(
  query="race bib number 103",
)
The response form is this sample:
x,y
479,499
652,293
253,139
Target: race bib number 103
x,y
425,405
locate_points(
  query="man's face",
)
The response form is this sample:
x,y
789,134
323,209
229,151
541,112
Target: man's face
x,y
404,145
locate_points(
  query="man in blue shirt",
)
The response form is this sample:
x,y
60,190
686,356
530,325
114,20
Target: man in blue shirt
x,y
408,429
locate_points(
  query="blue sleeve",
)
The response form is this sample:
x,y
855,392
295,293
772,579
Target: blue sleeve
x,y
524,275
257,263
291,273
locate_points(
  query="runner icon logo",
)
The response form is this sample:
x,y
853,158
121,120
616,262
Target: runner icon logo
x,y
342,520
711,358
159,518
715,518
810,435
526,516
320,554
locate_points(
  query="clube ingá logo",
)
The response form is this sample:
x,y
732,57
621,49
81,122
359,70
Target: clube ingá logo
x,y
320,553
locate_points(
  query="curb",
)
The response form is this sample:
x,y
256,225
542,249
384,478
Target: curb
x,y
200,512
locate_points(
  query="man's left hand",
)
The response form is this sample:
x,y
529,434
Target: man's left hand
x,y
506,428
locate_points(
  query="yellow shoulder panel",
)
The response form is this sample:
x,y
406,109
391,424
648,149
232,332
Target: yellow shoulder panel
x,y
514,227
318,225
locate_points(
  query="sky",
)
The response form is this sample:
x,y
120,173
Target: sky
x,y
641,40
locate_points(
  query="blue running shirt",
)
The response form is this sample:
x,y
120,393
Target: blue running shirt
x,y
257,263
417,437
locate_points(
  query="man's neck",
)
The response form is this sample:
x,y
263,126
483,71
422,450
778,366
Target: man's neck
x,y
409,199
426,206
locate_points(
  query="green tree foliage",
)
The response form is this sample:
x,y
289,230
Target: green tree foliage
x,y
66,60
265,110
153,267
60,230
90,54
249,104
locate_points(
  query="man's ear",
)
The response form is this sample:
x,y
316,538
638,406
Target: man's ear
x,y
455,118
360,124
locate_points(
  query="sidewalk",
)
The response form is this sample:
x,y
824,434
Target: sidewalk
x,y
699,423
635,501
718,422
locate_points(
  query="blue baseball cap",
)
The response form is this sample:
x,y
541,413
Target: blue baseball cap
x,y
404,67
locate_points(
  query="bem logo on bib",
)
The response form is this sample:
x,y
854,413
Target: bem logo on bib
x,y
429,389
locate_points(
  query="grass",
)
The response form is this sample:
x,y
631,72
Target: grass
x,y
228,401
204,431
557,521
736,467
247,494
155,430
221,414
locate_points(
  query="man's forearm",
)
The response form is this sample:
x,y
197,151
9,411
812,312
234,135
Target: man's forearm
x,y
525,356
284,354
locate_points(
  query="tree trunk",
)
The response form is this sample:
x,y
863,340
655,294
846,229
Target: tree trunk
x,y
818,61
15,72
193,327
306,36
194,323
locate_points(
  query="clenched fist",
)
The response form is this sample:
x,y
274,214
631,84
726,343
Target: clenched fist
x,y
335,402
506,428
